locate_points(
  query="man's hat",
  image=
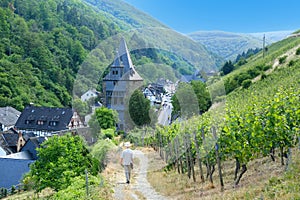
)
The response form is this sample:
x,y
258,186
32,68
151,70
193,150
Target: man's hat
x,y
127,144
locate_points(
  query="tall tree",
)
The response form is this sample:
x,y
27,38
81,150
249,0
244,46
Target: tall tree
x,y
139,108
203,96
227,67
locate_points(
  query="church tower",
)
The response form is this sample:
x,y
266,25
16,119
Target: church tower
x,y
120,82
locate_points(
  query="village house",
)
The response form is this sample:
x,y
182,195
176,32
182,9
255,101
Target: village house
x,y
19,151
43,121
91,93
8,117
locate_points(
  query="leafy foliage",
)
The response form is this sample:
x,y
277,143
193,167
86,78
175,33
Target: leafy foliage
x,y
227,68
139,108
43,43
104,118
191,99
60,159
100,150
256,121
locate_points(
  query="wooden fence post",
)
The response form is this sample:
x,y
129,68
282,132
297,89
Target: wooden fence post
x,y
218,159
198,157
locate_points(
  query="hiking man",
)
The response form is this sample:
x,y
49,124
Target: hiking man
x,y
127,161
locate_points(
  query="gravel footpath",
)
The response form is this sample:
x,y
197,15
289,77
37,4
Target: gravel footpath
x,y
140,188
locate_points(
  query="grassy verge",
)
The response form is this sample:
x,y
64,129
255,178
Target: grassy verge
x,y
264,179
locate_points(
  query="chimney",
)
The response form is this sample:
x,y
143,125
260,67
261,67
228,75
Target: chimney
x,y
21,141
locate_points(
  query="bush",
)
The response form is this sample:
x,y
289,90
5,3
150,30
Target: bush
x,y
263,76
77,189
230,85
282,59
298,51
246,83
243,76
3,192
267,67
100,150
108,133
291,63
253,72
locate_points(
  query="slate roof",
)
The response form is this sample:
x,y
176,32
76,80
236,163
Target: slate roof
x,y
32,144
123,59
10,139
44,119
12,175
9,116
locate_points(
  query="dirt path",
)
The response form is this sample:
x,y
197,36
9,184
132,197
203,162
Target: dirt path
x,y
139,188
142,185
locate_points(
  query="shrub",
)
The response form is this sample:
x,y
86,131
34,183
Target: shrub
x,y
267,67
291,63
246,83
282,59
298,51
243,76
253,72
263,76
100,150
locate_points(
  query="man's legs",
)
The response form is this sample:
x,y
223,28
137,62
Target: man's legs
x,y
127,169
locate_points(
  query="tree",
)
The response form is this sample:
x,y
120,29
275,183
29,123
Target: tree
x,y
203,96
61,158
227,68
139,108
185,102
81,107
105,117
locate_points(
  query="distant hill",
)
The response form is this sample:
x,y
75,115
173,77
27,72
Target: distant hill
x,y
228,45
155,34
125,15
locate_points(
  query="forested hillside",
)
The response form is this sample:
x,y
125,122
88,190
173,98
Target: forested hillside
x,y
47,45
42,46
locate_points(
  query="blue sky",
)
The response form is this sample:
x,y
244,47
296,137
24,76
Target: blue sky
x,y
242,16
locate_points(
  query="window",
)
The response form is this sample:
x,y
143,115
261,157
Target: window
x,y
53,123
115,100
40,122
116,72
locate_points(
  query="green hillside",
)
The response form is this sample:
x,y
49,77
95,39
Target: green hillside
x,y
248,144
156,34
47,47
42,46
229,45
125,15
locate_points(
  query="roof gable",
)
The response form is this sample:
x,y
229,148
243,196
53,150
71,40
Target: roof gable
x,y
44,118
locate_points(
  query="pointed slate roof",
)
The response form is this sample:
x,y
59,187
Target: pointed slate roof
x,y
123,59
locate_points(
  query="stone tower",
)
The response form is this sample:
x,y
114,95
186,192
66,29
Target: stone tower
x,y
119,84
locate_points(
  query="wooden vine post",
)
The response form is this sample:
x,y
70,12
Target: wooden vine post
x,y
198,157
218,158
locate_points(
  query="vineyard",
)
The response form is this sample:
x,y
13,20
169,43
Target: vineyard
x,y
263,120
